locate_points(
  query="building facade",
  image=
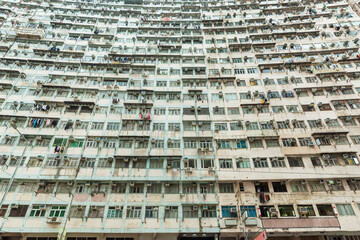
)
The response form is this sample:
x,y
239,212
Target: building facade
x,y
165,120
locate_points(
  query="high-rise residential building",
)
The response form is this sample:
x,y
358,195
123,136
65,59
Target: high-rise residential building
x,y
179,120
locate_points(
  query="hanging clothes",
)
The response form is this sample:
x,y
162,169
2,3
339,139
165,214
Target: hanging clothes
x,y
57,149
67,126
34,123
261,197
54,123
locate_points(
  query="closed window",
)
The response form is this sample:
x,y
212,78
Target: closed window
x,y
345,210
229,211
225,163
57,211
115,212
226,187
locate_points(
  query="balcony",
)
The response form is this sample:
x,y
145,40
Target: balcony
x,y
326,222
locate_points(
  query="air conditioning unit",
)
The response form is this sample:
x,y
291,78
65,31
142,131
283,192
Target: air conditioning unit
x,y
273,211
167,184
188,170
118,207
233,210
42,183
303,211
88,184
338,181
169,165
211,170
96,184
14,206
149,184
42,207
53,220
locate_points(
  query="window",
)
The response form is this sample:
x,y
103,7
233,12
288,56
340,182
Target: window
x,y
279,186
59,142
354,184
345,210
277,162
250,210
239,144
206,163
225,163
316,162
77,212
229,211
335,185
154,188
261,187
57,211
151,212
295,162
243,163
265,211
113,126
77,143
156,163
91,143
286,211
191,163
223,144
272,143
309,208
38,211
20,211
171,212
226,187
289,142
97,126
96,212
260,163
325,210
317,186
256,143
115,212
133,212
190,211
137,188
